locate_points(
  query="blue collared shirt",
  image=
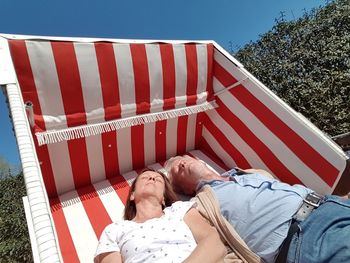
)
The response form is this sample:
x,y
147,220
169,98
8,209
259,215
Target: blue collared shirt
x,y
259,208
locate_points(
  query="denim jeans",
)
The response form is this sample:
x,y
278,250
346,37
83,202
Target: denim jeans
x,y
325,235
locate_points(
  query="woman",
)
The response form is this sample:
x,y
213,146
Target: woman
x,y
157,228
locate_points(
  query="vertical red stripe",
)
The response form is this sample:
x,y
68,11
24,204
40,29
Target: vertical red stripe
x,y
199,128
313,159
137,146
73,102
109,80
94,208
192,74
225,143
25,77
70,84
111,100
160,140
181,134
168,66
141,76
210,58
68,251
265,154
110,153
46,169
79,161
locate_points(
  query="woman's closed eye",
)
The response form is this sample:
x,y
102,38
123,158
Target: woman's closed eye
x,y
157,178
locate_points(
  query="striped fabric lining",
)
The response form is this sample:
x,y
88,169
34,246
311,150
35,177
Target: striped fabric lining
x,y
77,163
267,134
72,83
76,85
81,215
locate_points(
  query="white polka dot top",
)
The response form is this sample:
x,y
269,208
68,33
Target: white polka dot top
x,y
164,239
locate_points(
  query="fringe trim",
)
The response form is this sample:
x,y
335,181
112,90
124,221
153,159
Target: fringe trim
x,y
55,136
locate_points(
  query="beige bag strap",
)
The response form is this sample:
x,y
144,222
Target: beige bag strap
x,y
207,199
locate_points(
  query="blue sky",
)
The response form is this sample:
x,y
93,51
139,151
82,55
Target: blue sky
x,y
228,22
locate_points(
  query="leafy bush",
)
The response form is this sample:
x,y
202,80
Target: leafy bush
x,y
306,62
14,237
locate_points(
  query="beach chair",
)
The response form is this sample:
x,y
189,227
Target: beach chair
x,y
88,114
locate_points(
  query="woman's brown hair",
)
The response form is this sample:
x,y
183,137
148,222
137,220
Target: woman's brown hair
x,y
169,195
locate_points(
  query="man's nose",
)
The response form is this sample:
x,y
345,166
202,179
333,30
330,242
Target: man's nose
x,y
151,178
183,162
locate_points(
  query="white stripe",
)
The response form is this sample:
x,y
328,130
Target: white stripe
x,y
93,103
217,86
150,142
191,132
47,84
83,235
304,129
155,166
130,176
95,158
221,152
228,66
180,74
124,150
248,153
202,62
126,79
110,200
211,164
61,166
155,77
171,137
90,81
278,148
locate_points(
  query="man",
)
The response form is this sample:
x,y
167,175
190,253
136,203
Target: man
x,y
266,212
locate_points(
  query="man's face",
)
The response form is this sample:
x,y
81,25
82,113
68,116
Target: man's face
x,y
185,174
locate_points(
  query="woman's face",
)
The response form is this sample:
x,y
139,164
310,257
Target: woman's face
x,y
149,184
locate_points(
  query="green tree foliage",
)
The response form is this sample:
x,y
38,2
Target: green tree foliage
x,y
306,62
14,237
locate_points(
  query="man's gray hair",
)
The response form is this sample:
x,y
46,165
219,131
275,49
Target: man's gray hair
x,y
169,163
